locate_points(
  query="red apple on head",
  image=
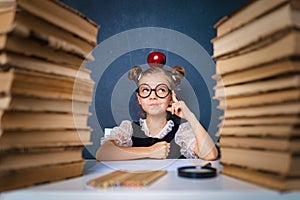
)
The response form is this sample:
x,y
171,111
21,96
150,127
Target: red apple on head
x,y
156,59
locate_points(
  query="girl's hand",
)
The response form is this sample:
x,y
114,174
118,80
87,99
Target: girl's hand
x,y
179,108
159,150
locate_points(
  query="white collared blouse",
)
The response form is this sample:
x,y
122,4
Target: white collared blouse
x,y
184,137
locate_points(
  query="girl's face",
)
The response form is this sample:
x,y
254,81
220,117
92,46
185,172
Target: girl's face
x,y
154,105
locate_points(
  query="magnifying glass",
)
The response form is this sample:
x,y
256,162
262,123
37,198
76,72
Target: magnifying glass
x,y
205,171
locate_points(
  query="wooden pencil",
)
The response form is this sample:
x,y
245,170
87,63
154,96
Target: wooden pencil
x,y
153,177
119,181
136,178
144,178
103,181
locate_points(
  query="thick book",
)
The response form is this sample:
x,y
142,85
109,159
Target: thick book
x,y
267,143
14,60
289,108
27,103
281,162
1,114
43,85
279,46
27,25
17,139
259,120
53,11
246,14
285,17
26,120
269,70
269,180
289,81
14,159
14,179
266,98
272,130
31,47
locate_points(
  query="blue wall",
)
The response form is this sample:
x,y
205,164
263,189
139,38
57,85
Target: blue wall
x,y
182,29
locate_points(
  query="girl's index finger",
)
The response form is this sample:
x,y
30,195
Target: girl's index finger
x,y
174,97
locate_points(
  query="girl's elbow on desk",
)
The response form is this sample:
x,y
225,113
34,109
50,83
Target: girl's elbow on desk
x,y
213,155
102,153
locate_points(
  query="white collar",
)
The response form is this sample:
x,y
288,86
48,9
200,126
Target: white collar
x,y
167,128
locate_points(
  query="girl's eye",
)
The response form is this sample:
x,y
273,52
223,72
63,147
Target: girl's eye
x,y
144,89
161,90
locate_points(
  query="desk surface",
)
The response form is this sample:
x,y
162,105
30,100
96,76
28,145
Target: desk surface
x,y
170,186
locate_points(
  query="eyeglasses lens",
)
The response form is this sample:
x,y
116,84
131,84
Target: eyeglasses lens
x,y
161,90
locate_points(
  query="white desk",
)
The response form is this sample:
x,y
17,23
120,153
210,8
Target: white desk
x,y
170,186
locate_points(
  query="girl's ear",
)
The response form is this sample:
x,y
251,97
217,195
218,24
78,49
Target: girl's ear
x,y
138,98
171,100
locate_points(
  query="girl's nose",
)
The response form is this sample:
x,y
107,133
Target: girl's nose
x,y
152,95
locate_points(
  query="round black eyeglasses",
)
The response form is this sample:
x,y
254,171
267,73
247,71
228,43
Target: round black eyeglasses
x,y
161,90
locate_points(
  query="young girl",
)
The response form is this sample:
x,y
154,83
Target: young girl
x,y
158,134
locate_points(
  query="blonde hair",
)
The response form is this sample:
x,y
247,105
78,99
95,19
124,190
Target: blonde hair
x,y
173,75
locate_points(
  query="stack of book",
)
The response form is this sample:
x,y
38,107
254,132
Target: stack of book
x,y
45,91
257,53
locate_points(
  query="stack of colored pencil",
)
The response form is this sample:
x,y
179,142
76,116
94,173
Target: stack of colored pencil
x,y
127,179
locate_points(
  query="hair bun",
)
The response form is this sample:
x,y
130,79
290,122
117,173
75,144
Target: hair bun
x,y
134,73
178,73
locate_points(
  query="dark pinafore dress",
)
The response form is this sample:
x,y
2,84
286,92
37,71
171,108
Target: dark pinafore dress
x,y
139,139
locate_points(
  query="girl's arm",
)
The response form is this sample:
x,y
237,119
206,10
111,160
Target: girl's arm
x,y
110,151
205,147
